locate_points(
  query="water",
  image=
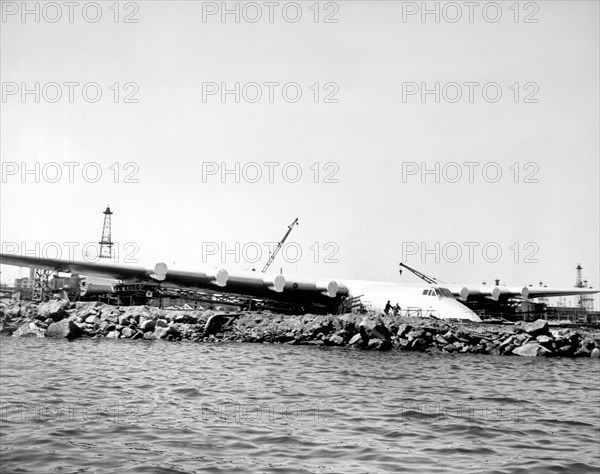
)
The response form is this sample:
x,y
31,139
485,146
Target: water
x,y
152,406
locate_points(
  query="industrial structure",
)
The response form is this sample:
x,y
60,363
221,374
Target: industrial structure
x,y
279,245
106,243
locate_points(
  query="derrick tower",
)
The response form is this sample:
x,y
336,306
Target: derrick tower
x,y
586,302
106,242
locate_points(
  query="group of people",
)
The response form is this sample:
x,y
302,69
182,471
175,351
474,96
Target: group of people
x,y
394,309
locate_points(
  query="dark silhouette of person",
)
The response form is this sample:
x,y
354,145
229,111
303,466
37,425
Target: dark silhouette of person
x,y
387,308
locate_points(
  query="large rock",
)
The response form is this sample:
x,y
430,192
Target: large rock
x,y
189,317
92,319
373,328
356,339
543,339
336,340
124,320
147,325
403,330
536,328
29,330
110,314
64,329
379,344
85,308
531,349
55,309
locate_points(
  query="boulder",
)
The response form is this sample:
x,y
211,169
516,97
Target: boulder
x,y
189,317
403,330
337,340
84,309
147,325
543,339
110,314
124,320
375,343
583,352
92,319
531,349
127,332
107,326
536,328
356,340
29,330
149,336
595,353
64,329
55,309
379,344
374,328
415,334
174,331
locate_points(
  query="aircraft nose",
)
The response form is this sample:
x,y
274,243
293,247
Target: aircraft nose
x,y
452,309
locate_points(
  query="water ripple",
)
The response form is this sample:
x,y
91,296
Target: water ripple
x,y
94,406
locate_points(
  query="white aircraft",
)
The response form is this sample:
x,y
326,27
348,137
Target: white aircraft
x,y
304,294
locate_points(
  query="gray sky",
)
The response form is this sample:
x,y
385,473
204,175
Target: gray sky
x,y
370,139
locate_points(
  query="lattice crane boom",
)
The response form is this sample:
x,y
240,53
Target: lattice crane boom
x,y
279,245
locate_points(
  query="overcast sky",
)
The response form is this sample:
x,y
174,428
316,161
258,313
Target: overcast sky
x,y
365,124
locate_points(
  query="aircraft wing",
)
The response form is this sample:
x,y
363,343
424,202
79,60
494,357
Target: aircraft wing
x,y
251,284
470,293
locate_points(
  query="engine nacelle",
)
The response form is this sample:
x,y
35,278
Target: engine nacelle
x,y
328,288
218,277
276,284
498,292
160,272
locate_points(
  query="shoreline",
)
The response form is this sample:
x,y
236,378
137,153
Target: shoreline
x,y
61,319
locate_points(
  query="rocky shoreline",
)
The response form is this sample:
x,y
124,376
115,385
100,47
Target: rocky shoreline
x,y
59,318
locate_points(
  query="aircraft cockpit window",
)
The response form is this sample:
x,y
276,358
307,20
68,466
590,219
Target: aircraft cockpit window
x,y
445,292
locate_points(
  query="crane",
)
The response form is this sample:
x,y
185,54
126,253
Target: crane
x,y
279,245
422,276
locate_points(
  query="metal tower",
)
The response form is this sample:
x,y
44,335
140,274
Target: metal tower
x,y
586,302
578,277
106,243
